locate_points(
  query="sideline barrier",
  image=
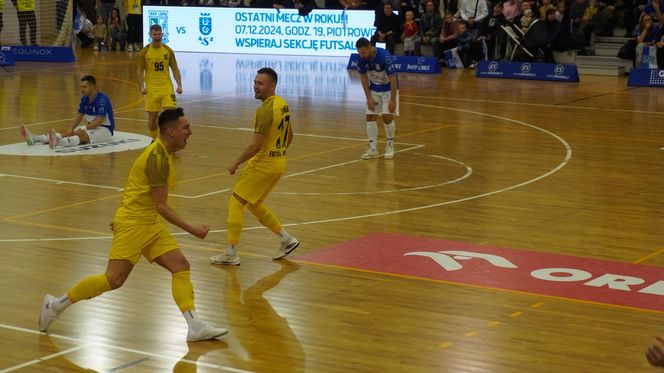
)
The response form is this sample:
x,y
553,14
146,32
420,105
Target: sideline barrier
x,y
646,78
6,56
43,54
405,64
260,31
528,71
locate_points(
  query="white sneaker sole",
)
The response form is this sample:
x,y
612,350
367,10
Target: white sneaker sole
x,y
289,249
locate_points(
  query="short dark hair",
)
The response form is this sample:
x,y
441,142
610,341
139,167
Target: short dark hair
x,y
155,27
90,79
269,72
362,43
169,117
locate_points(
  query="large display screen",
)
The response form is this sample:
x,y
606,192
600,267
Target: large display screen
x,y
260,31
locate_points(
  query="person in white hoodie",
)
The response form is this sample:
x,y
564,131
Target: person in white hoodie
x,y
473,12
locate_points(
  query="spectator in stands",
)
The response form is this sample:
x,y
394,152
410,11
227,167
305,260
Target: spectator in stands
x,y
524,7
104,8
350,4
660,48
430,26
409,34
100,32
512,9
117,29
576,12
25,11
133,10
388,28
646,31
407,5
526,19
552,32
465,46
496,39
561,12
655,8
473,13
546,5
646,34
449,34
84,34
445,6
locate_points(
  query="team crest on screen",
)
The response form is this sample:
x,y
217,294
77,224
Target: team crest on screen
x,y
160,17
205,28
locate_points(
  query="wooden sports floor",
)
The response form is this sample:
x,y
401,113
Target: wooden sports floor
x,y
569,169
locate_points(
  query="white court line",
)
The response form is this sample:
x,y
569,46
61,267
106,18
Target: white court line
x,y
109,346
42,359
531,104
64,182
303,173
563,163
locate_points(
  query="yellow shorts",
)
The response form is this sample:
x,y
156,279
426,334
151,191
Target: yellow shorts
x,y
130,241
160,99
254,185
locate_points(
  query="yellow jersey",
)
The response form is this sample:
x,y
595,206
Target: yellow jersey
x,y
272,119
153,168
156,62
2,5
133,6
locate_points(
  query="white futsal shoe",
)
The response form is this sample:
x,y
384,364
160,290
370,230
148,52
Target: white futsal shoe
x,y
287,248
202,331
47,315
226,259
370,153
389,152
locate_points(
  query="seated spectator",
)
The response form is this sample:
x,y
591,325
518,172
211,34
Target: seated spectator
x,y
100,32
85,34
546,5
496,39
409,34
646,34
646,31
388,28
473,13
465,46
512,9
449,33
430,26
524,7
117,30
526,20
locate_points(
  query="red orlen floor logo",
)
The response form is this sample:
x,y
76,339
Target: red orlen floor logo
x,y
596,280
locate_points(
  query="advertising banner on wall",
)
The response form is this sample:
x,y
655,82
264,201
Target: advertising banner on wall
x,y
260,31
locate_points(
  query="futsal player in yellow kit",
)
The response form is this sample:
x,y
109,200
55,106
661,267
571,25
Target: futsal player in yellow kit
x,y
266,156
154,78
137,231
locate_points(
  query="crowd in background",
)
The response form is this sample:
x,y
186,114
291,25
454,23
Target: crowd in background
x,y
475,28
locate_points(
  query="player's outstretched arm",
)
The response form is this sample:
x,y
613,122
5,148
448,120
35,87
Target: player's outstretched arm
x,y
160,195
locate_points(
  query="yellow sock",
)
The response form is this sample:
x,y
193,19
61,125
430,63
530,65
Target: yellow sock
x,y
183,291
154,133
89,287
265,216
235,220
